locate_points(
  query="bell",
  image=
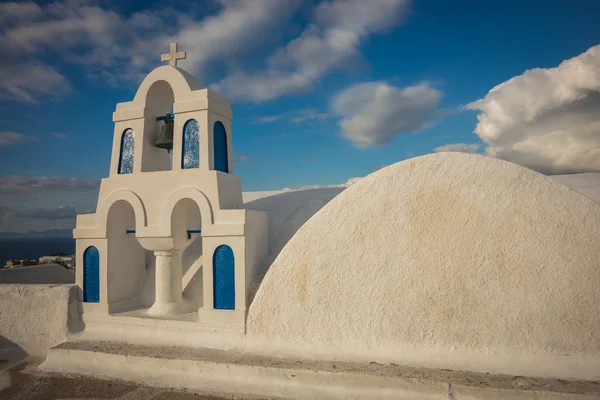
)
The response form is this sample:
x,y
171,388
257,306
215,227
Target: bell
x,y
165,139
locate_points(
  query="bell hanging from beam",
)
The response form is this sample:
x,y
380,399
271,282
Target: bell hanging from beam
x,y
165,139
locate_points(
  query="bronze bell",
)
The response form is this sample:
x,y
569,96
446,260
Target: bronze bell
x,y
165,139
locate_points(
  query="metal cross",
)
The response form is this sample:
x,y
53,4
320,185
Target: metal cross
x,y
172,56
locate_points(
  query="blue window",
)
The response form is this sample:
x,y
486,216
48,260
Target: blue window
x,y
220,143
127,152
190,157
91,275
224,278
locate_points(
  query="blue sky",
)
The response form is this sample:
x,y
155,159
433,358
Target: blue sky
x,y
322,91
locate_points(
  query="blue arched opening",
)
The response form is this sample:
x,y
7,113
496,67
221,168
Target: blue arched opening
x,y
127,152
224,278
220,143
190,157
91,275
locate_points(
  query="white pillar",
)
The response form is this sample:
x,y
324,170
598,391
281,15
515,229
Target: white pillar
x,y
168,298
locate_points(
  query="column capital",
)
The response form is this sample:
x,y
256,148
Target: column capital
x,y
168,253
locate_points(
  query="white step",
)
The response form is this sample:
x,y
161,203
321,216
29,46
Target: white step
x,y
233,373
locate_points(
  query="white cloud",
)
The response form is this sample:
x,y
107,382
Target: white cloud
x,y
269,118
60,135
309,115
546,119
333,38
459,147
374,113
12,138
26,82
120,48
12,12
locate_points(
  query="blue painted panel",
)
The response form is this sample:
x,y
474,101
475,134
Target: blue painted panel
x,y
91,275
220,142
224,278
190,157
127,152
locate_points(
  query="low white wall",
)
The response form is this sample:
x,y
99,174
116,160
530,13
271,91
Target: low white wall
x,y
36,317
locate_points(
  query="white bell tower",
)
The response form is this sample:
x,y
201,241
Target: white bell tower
x,y
181,209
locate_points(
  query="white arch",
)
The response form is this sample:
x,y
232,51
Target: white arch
x,y
181,82
187,193
125,195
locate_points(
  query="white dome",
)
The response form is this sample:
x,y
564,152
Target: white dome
x,y
450,259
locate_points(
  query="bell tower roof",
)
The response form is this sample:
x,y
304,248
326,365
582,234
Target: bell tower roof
x,y
180,81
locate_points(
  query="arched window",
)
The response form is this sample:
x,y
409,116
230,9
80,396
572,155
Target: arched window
x,y
223,278
91,275
127,152
220,146
190,157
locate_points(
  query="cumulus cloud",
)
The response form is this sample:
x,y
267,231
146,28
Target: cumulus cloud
x,y
374,113
459,147
17,186
331,39
546,119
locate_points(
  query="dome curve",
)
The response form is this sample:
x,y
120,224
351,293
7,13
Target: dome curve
x,y
449,250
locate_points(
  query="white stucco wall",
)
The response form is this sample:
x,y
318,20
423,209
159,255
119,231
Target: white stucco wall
x,y
587,183
287,211
37,317
446,260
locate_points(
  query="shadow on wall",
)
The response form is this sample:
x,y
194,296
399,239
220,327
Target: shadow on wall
x,y
75,322
10,351
287,212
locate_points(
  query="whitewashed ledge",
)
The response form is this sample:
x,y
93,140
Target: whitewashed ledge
x,y
239,374
33,318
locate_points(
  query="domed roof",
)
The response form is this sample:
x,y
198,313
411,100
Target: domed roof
x,y
448,259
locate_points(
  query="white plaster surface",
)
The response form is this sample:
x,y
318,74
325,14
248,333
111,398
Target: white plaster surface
x,y
42,274
587,183
287,211
34,318
242,375
446,260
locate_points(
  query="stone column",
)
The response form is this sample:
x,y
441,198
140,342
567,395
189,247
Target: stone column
x,y
168,300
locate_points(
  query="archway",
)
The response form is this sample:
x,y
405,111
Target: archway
x,y
91,275
126,260
159,102
223,278
221,159
186,228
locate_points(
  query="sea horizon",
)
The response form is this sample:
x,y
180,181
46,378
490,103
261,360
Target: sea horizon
x,y
26,248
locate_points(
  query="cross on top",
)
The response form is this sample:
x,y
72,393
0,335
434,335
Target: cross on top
x,y
172,56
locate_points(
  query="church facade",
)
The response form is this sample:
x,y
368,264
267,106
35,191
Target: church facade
x,y
169,215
